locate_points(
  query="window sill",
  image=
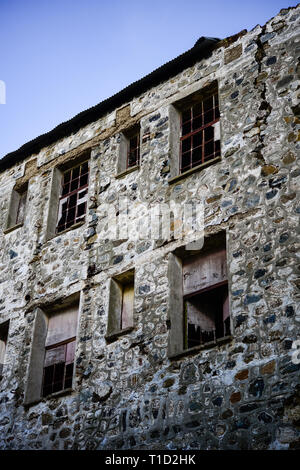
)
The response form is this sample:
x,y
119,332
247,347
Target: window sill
x,y
61,393
187,173
73,227
10,229
126,172
196,349
114,336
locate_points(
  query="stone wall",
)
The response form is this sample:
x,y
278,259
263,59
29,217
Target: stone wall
x,y
128,394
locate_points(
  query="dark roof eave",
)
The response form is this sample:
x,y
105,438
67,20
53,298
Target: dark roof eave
x,y
202,49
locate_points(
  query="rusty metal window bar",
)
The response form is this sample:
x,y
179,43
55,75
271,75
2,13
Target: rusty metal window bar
x,y
198,143
58,367
73,199
133,153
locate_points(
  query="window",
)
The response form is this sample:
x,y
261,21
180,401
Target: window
x,y
3,341
198,301
16,213
121,303
194,131
51,366
133,151
129,151
73,198
199,140
60,350
205,298
69,196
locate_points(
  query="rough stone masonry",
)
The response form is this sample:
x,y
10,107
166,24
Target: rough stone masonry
x,y
127,392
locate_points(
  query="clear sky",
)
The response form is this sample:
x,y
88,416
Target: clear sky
x,y
59,57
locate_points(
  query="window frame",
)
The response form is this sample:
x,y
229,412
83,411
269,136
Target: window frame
x,y
38,347
123,166
176,312
199,131
56,193
187,100
117,285
67,197
54,366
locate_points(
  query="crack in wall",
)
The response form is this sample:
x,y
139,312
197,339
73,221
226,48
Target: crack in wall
x,y
265,107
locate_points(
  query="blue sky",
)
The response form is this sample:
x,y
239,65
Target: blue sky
x,y
59,57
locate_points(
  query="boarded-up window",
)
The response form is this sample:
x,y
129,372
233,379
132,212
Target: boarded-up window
x,y
60,350
205,297
3,341
121,303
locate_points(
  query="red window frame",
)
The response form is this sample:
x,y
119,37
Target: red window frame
x,y
73,198
197,141
59,375
133,152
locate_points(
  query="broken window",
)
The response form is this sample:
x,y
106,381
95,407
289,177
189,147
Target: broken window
x,y
129,150
205,298
16,214
121,303
73,197
3,342
60,351
200,132
198,310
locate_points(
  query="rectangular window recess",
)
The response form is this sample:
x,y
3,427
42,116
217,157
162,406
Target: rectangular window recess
x,y
196,349
17,208
200,132
73,197
206,316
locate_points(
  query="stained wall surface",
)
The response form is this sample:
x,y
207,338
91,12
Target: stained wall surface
x,y
243,394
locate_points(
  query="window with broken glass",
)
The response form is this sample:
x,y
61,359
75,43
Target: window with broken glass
x,y
200,132
73,199
60,351
205,298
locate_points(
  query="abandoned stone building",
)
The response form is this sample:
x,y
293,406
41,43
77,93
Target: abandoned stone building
x,y
114,341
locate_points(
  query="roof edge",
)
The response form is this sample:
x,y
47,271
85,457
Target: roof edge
x,y
202,49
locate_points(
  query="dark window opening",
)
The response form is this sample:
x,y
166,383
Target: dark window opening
x,y
73,200
58,368
206,316
200,142
3,341
133,154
